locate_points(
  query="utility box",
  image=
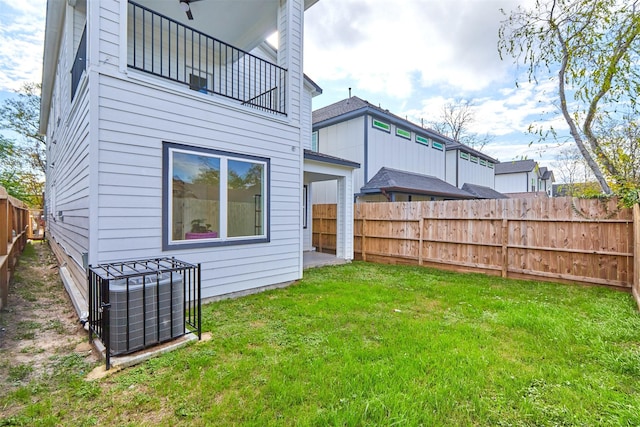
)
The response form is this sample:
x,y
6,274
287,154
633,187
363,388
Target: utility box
x,y
137,304
145,310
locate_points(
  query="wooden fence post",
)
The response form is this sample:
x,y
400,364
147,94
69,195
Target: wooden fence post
x,y
421,234
635,288
4,259
320,234
505,247
363,239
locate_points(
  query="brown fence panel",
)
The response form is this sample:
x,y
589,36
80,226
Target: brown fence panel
x,y
14,222
324,227
559,239
636,252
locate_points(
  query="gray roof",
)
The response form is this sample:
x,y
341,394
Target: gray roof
x,y
326,158
452,144
515,166
393,180
482,192
339,108
546,173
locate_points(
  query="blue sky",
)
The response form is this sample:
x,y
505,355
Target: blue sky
x,y
408,56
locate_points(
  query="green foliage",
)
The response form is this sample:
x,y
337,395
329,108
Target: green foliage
x,y
22,116
19,372
629,194
23,158
591,49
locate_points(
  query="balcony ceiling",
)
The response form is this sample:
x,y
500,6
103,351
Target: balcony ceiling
x,y
241,23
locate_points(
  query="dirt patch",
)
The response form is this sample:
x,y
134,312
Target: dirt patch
x,y
39,324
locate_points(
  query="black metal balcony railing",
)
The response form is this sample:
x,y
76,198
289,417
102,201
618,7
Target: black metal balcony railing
x,y
79,63
166,48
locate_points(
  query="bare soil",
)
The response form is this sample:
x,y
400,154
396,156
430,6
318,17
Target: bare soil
x,y
39,324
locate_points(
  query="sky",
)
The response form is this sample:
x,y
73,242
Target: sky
x,y
408,56
413,56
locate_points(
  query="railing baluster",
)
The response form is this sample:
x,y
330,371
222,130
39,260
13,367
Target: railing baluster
x,y
245,77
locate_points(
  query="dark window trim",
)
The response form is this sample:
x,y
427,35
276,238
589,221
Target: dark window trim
x,y
166,186
305,197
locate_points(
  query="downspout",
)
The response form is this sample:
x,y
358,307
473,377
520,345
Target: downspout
x,y
366,148
457,172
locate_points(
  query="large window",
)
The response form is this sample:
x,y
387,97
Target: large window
x,y
213,198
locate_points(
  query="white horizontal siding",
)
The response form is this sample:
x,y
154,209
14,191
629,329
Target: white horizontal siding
x,y
109,33
135,120
68,182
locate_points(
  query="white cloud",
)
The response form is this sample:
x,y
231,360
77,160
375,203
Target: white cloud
x,y
397,47
21,42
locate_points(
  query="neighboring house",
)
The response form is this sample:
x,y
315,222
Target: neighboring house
x,y
519,177
482,192
366,134
546,180
171,136
399,186
468,166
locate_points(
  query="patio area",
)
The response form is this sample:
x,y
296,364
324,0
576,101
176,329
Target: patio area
x,y
312,259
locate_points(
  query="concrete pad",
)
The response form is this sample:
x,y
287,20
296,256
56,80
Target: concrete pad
x,y
125,361
312,259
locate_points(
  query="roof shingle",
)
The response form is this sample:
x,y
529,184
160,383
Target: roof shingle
x,y
515,166
388,179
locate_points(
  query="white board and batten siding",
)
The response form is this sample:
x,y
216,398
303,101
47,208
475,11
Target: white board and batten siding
x,y
346,141
513,182
383,149
464,170
386,149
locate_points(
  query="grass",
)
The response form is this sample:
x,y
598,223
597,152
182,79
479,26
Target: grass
x,y
27,329
366,344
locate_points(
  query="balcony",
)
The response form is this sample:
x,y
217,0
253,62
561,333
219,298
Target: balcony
x,y
166,48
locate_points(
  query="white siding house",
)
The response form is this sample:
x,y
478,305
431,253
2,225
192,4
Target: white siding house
x,y
391,148
468,166
523,178
175,137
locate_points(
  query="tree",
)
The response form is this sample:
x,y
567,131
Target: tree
x,y
591,47
23,158
22,116
621,144
572,170
454,122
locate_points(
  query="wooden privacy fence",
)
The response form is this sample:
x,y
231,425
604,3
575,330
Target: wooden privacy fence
x,y
14,220
557,239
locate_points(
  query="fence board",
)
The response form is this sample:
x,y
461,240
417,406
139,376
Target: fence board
x,y
636,252
14,222
559,239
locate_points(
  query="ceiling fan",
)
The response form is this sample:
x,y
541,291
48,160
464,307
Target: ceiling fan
x,y
186,7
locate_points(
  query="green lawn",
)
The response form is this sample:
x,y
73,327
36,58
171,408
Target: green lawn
x,y
367,344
